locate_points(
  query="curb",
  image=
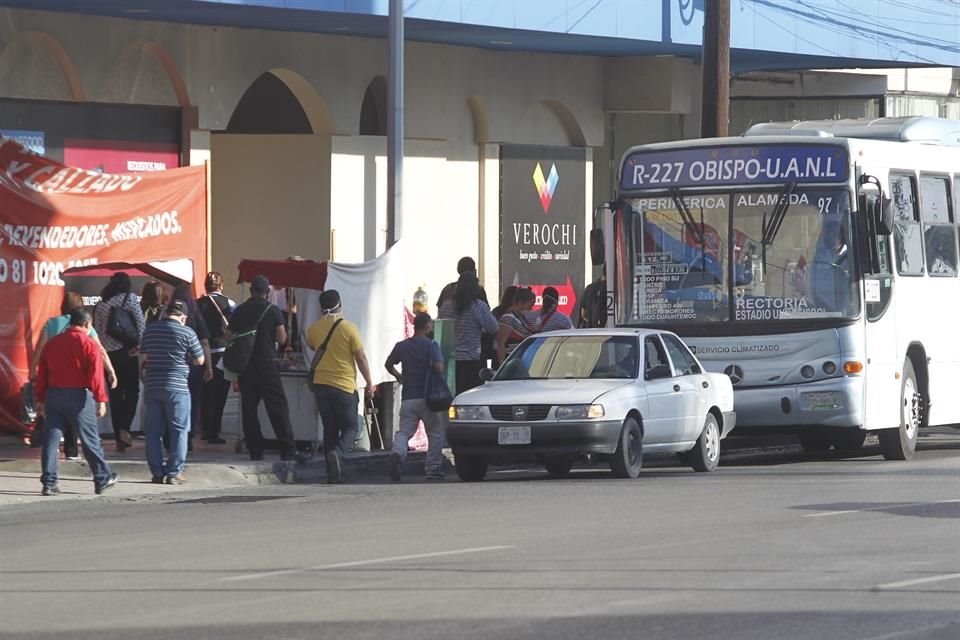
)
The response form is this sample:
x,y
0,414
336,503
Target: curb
x,y
203,472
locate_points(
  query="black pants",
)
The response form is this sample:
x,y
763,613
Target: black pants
x,y
338,410
468,375
123,399
215,395
195,384
263,382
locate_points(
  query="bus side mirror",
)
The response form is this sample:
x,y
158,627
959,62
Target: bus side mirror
x,y
597,247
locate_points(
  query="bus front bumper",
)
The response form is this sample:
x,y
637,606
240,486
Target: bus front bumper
x,y
837,402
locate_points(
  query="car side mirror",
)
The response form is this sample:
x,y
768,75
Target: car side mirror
x,y
486,374
658,372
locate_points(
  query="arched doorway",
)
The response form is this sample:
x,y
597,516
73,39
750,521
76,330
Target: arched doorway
x,y
270,175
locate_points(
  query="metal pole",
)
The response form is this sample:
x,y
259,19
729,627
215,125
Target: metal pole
x,y
395,125
715,111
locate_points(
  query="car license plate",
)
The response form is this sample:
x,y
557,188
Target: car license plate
x,y
513,435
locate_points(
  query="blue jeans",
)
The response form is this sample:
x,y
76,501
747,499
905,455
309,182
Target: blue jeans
x,y
74,408
167,411
338,410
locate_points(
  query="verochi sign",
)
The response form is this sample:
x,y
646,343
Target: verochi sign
x,y
542,234
53,217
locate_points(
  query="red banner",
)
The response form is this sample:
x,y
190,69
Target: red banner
x,y
53,217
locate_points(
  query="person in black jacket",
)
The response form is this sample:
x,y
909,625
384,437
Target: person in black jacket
x,y
216,309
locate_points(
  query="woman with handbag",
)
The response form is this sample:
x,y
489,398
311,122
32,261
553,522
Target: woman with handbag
x,y
423,397
472,318
119,322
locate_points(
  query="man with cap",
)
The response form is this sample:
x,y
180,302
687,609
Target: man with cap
x,y
71,391
335,377
261,380
167,350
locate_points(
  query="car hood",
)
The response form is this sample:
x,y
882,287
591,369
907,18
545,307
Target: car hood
x,y
528,392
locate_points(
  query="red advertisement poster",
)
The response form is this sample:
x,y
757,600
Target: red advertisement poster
x,y
111,156
53,217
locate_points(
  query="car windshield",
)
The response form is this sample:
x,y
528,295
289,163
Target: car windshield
x,y
572,357
739,256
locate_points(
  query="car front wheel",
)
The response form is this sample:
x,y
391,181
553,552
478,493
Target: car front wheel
x,y
558,467
470,468
628,458
705,455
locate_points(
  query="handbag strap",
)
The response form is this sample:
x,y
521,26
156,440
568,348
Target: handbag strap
x,y
220,311
322,349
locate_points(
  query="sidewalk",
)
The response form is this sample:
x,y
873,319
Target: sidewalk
x,y
208,467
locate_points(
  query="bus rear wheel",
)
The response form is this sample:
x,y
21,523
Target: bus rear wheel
x,y
901,443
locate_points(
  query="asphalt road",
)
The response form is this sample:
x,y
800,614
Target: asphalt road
x,y
770,546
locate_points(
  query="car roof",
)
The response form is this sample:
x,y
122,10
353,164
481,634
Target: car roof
x,y
614,331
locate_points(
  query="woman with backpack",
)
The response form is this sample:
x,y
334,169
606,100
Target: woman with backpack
x,y
119,322
472,318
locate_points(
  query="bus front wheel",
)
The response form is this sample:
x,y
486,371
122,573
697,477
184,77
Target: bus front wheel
x,y
900,443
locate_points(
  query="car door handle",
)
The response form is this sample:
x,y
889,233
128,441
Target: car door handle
x,y
676,387
706,384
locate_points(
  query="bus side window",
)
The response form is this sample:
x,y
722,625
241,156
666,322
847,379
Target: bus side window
x,y
907,231
939,234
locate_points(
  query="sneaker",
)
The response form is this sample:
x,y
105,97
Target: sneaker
x,y
216,440
74,458
435,475
177,479
334,467
395,467
156,480
109,483
50,490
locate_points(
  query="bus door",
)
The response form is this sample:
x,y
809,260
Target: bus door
x,y
880,358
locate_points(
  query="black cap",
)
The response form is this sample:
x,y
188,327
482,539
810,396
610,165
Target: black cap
x,y
177,308
260,284
329,300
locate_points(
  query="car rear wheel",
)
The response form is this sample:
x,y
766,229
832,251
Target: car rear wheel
x,y
470,468
558,467
705,455
900,444
628,458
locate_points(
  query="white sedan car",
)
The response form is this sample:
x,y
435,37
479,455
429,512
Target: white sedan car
x,y
595,394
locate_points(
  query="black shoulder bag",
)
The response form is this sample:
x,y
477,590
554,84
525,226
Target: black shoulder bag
x,y
122,325
318,354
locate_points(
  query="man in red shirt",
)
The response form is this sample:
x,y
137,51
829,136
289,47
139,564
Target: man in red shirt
x,y
71,391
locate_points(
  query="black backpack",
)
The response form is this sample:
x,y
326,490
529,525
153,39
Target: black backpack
x,y
239,350
122,325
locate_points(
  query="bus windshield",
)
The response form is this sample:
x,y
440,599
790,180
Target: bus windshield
x,y
742,256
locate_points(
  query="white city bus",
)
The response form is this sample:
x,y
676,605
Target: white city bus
x,y
815,263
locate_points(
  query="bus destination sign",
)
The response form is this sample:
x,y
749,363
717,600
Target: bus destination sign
x,y
733,165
